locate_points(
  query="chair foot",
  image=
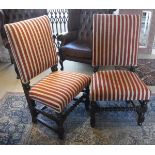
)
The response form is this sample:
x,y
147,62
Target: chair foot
x,y
60,130
61,64
34,120
141,112
92,122
62,67
61,136
141,119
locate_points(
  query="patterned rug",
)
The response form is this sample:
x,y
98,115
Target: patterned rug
x,y
111,127
145,70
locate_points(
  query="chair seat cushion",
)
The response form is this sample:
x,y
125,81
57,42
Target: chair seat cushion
x,y
118,85
77,49
59,88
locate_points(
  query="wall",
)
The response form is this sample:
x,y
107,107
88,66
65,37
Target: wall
x,y
4,54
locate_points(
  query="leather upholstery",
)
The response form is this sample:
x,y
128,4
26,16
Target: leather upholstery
x,y
76,45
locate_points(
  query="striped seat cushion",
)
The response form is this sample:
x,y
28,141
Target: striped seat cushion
x,y
115,39
59,88
118,85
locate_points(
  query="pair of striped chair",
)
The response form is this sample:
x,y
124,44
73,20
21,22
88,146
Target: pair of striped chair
x,y
115,43
34,51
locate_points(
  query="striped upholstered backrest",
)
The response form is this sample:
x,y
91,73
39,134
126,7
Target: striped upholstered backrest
x,y
115,39
32,46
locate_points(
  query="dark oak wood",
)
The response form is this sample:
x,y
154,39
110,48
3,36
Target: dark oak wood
x,y
132,69
95,69
140,109
61,59
141,112
92,114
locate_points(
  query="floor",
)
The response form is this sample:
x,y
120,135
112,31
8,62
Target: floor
x,y
9,83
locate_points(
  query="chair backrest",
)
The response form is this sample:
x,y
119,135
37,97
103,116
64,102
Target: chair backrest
x,y
15,15
115,40
32,46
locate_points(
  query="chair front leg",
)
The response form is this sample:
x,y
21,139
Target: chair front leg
x,y
141,112
87,101
33,111
92,113
60,129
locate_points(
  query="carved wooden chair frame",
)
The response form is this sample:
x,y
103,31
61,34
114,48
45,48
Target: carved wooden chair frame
x,y
141,108
57,117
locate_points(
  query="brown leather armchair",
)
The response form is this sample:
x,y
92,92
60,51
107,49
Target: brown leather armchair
x,y
76,44
15,15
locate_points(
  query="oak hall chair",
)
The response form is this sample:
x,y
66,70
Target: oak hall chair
x,y
14,15
115,43
34,51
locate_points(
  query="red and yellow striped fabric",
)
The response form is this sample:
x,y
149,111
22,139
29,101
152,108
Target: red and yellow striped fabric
x,y
115,39
59,88
32,46
118,85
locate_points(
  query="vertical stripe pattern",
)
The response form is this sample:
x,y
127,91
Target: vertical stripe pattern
x,y
115,39
118,85
32,46
59,88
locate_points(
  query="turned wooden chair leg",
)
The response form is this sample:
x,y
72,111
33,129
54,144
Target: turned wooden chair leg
x,y
92,114
33,111
60,129
141,112
87,101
